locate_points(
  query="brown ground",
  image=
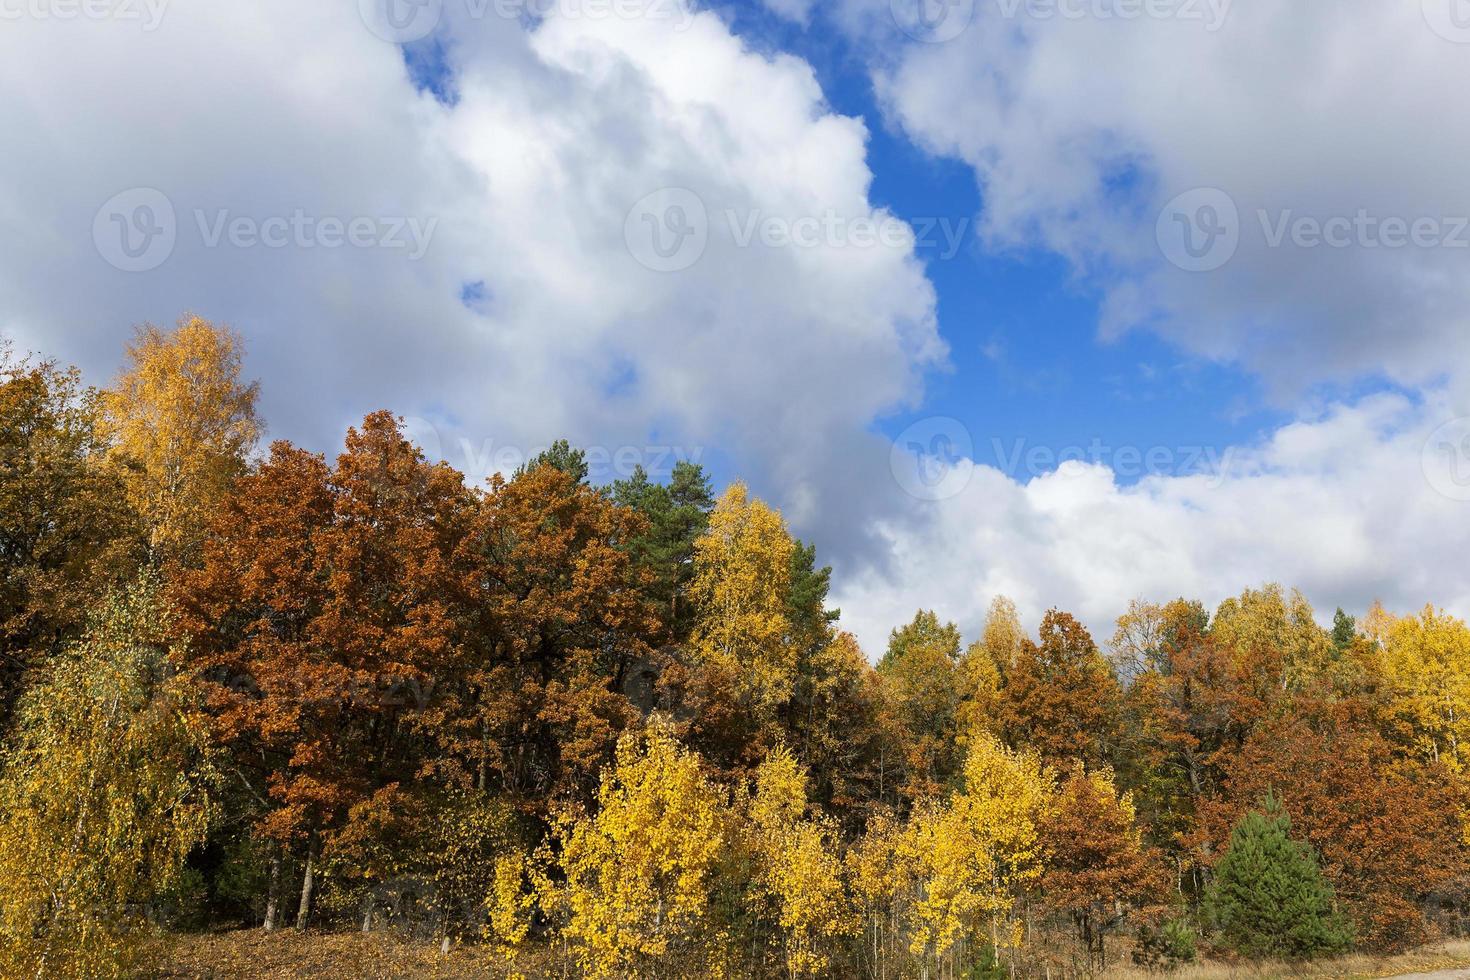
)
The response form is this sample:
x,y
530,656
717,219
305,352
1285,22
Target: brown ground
x,y
253,954
248,954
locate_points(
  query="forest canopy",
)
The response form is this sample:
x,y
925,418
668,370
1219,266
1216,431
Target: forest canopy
x,y
618,727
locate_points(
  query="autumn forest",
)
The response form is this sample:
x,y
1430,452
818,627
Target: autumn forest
x,y
617,731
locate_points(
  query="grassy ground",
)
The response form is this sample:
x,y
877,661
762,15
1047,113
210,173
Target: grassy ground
x,y
1429,959
248,954
251,953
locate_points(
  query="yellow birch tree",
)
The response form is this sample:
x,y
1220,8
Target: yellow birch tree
x,y
108,785
183,424
742,582
1426,661
640,871
799,874
972,855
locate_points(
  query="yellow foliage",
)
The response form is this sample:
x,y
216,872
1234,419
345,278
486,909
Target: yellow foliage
x,y
1426,661
798,870
183,423
780,798
1269,619
510,904
741,585
872,864
1003,634
639,873
971,855
107,788
979,682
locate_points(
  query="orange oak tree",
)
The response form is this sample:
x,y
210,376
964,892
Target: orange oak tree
x,y
325,622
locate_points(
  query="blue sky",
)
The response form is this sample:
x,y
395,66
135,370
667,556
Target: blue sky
x,y
1027,367
1295,411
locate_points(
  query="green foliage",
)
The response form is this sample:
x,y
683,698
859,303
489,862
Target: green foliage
x,y
988,965
1166,947
922,695
413,686
560,456
811,620
1344,630
1268,898
678,514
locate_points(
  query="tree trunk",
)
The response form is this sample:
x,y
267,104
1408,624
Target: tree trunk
x,y
273,896
483,777
308,886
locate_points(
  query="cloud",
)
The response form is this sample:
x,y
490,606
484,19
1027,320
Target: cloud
x,y
1084,119
641,235
1329,242
273,131
1355,504
798,11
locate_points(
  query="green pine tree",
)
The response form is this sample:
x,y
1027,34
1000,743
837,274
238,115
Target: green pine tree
x,y
561,456
1344,630
1268,897
678,514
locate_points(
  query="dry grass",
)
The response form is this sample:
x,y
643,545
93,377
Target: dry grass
x,y
248,954
1359,966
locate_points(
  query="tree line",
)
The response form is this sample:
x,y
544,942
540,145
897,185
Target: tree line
x,y
617,731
